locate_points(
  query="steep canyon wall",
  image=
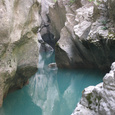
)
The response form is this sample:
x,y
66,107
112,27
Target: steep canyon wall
x,y
85,31
19,22
86,39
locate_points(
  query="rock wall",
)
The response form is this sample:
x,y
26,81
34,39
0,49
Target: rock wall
x,y
86,33
46,28
19,22
86,40
99,99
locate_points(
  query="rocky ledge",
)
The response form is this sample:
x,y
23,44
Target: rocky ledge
x,y
19,22
85,31
99,99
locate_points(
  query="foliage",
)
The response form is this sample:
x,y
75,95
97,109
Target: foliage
x,y
95,1
72,1
104,22
54,0
104,28
89,98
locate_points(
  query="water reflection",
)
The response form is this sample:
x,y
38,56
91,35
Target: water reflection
x,y
57,92
19,103
50,91
43,89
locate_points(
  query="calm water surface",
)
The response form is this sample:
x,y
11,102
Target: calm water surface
x,y
50,91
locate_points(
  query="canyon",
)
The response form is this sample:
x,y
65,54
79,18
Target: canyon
x,y
82,34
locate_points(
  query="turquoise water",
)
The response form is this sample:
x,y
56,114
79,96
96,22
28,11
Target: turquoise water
x,y
50,91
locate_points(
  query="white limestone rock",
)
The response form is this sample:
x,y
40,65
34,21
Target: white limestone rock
x,y
85,32
99,99
19,22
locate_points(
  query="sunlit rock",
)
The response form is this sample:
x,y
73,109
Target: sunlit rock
x,y
99,99
85,31
52,66
19,22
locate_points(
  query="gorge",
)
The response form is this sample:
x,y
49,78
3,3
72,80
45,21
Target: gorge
x,y
81,33
50,91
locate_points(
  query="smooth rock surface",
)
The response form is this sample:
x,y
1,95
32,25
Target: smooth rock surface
x,y
19,22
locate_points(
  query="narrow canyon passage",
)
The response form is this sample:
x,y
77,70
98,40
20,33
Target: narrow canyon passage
x,y
50,91
53,53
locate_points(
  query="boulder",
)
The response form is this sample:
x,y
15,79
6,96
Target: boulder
x,y
99,99
53,66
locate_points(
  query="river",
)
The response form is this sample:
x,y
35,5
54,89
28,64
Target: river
x,y
51,91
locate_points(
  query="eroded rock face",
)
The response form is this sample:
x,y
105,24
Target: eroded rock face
x,y
86,36
100,99
19,22
46,28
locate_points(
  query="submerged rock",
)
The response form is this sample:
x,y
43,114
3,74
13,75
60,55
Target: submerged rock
x,y
53,66
19,22
99,99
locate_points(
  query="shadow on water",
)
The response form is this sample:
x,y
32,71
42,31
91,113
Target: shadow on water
x,y
50,92
19,103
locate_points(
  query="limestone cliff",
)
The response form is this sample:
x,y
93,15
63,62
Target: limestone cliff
x,y
46,27
19,22
100,99
86,31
